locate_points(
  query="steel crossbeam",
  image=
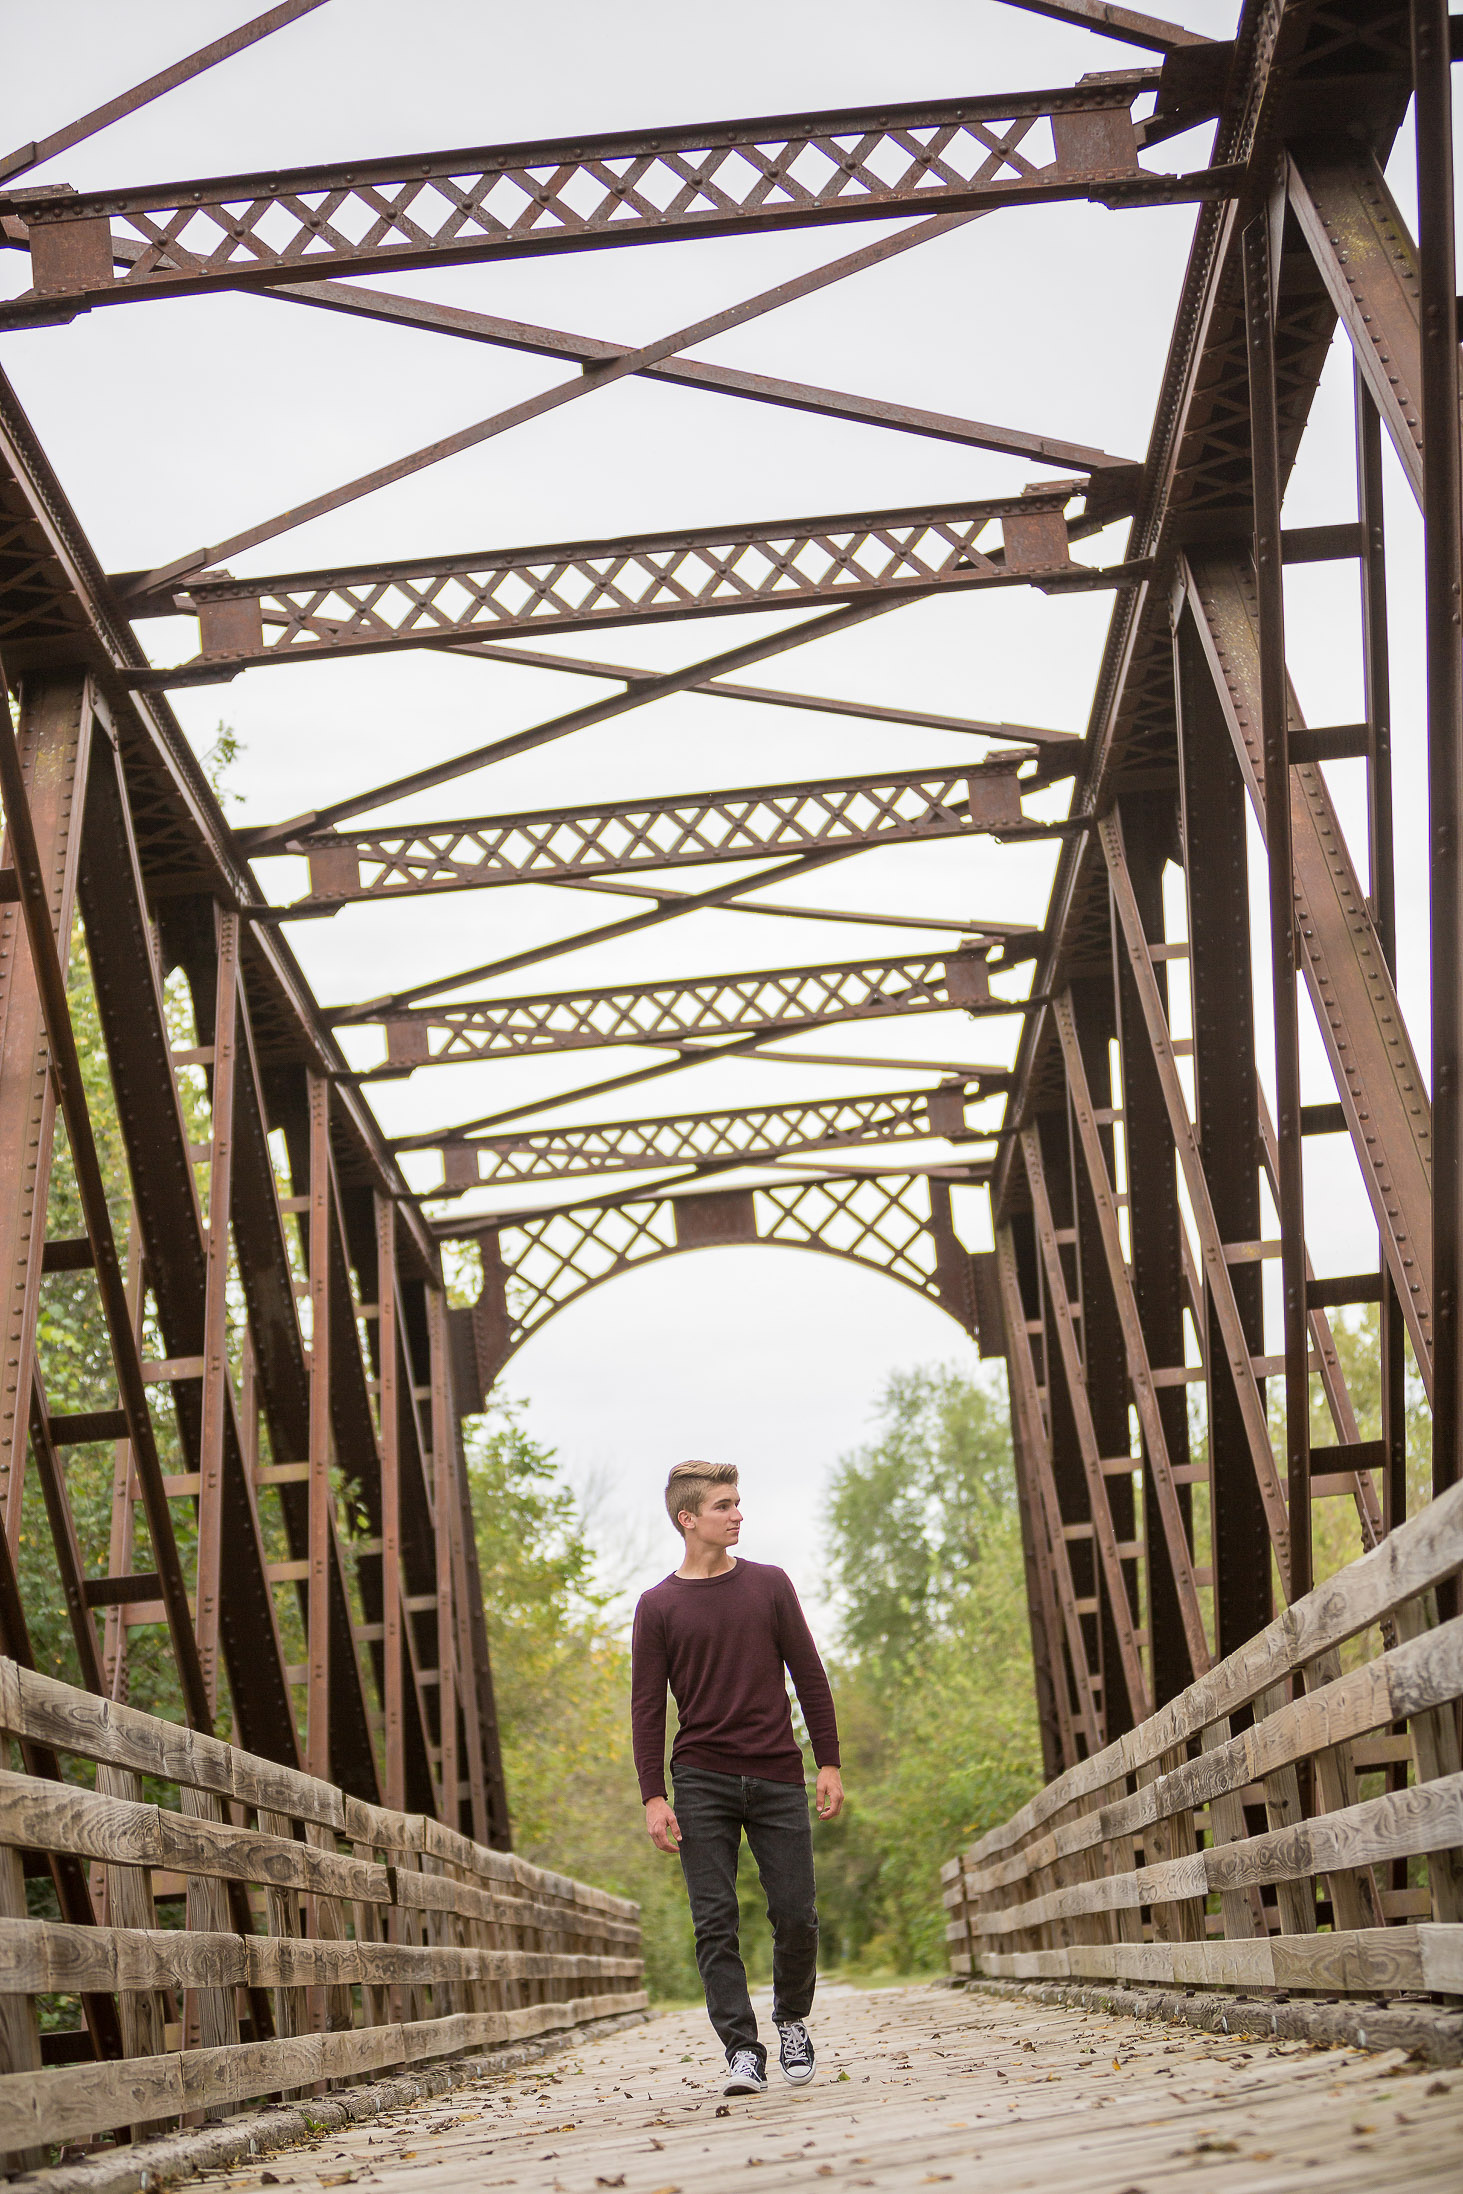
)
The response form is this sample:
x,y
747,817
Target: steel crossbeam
x,y
556,844
716,179
656,578
676,1012
707,1138
536,1263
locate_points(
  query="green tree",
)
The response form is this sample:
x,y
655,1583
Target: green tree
x,y
561,1677
933,1679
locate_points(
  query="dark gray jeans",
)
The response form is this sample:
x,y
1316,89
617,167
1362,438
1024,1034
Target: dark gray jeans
x,y
713,1810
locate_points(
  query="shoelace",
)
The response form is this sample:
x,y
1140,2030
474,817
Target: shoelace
x,y
795,2041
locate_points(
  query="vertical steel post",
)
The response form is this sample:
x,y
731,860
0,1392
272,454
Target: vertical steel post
x,y
1382,877
317,1650
393,1644
1274,698
444,1510
1150,834
56,730
1442,502
216,1380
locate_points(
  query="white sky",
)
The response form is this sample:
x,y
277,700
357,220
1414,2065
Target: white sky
x,y
173,423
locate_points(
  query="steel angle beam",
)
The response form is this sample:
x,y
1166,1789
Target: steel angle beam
x,y
707,179
54,735
1368,262
676,1012
713,571
557,844
1378,1078
702,1139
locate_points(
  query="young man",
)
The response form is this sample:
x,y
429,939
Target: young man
x,y
721,1631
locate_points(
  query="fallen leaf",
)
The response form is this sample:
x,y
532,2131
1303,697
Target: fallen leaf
x,y
268,2178
336,2178
1363,2129
1436,2087
824,2171
723,2110
842,2076
1116,2066
933,2178
611,2182
1261,2155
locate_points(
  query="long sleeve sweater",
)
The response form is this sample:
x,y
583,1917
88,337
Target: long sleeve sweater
x,y
722,1645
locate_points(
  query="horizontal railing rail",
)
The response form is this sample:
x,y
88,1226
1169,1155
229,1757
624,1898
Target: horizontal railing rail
x,y
258,1931
1292,1821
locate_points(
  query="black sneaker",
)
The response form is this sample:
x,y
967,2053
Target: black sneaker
x,y
795,2051
744,2074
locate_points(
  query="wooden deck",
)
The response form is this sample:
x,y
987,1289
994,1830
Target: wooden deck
x,y
918,2087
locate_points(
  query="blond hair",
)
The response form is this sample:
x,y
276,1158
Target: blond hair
x,y
689,1483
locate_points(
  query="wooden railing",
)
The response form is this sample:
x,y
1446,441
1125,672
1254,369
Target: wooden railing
x,y
1292,1821
259,1931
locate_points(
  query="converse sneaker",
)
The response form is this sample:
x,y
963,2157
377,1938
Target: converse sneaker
x,y
744,2073
795,2051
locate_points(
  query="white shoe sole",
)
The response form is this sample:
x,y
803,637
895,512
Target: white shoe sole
x,y
800,2078
745,2087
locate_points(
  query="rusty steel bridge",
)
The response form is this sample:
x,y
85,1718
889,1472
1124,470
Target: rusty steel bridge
x,y
1139,1176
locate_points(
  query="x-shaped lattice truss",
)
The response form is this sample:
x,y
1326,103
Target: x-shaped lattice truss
x,y
899,1224
443,208
558,844
678,1012
654,578
709,1138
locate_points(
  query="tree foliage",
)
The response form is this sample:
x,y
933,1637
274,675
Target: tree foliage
x,y
933,1672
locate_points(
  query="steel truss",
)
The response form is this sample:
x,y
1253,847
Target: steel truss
x,y
1148,1161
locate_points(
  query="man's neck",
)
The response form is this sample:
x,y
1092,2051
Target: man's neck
x,y
706,1561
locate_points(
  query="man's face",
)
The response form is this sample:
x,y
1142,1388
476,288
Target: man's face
x,y
720,1521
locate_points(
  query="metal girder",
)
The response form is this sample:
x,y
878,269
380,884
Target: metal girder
x,y
534,1263
1211,1243
674,1012
704,1139
552,845
715,179
1378,1078
713,571
1076,1710
55,744
1069,1358
1368,262
1140,1371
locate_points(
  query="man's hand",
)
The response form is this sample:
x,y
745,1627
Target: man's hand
x,y
665,1830
830,1793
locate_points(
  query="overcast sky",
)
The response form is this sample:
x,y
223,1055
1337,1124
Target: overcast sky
x,y
173,423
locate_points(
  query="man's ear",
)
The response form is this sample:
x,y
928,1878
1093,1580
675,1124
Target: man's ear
x,y
683,1517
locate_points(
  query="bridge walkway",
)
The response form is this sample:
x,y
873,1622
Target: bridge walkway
x,y
919,2086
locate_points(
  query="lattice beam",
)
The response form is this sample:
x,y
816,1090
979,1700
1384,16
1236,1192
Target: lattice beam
x,y
898,1224
554,845
708,179
707,1138
676,1012
658,578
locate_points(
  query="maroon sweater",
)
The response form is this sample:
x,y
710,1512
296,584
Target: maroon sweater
x,y
722,1644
